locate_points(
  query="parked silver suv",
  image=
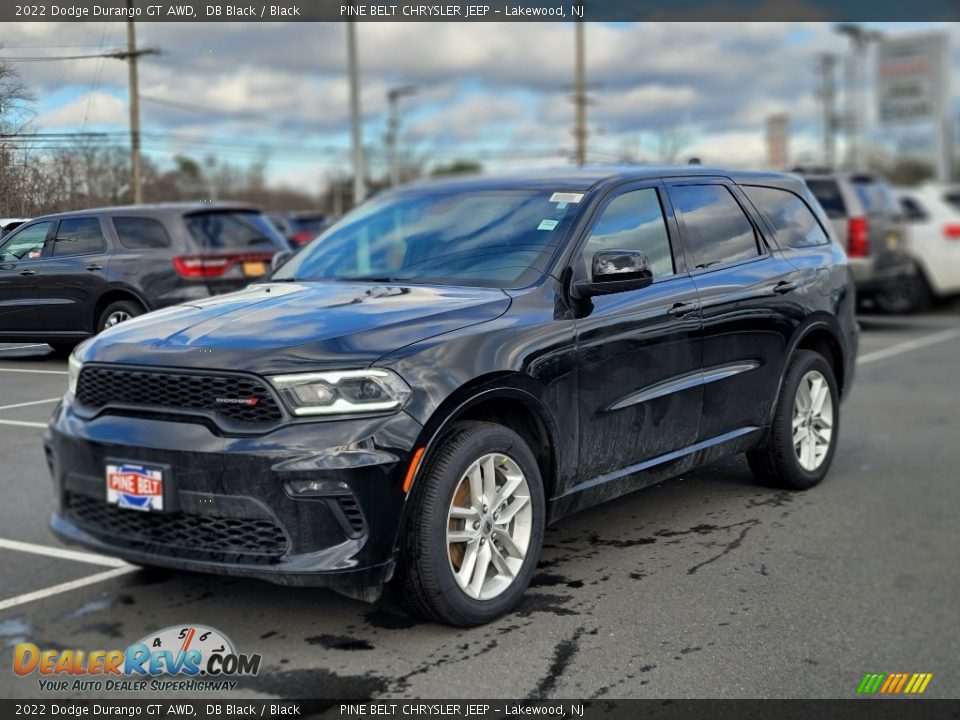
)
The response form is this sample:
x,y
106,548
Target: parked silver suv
x,y
867,219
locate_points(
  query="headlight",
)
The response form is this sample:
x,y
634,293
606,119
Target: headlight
x,y
73,373
346,391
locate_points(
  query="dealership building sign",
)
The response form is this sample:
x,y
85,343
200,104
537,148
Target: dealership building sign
x,y
912,78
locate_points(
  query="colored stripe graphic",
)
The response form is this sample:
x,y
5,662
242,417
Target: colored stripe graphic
x,y
894,683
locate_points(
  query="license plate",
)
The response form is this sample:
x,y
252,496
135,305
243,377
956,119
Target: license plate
x,y
893,241
136,487
254,268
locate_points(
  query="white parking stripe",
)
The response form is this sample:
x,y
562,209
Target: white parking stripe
x,y
39,372
26,404
23,423
61,553
908,345
22,347
65,587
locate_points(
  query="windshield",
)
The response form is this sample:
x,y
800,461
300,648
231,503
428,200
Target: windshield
x,y
484,238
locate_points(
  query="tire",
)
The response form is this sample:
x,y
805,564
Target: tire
x,y
425,583
908,294
780,463
122,309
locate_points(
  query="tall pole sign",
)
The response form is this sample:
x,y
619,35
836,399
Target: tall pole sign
x,y
913,86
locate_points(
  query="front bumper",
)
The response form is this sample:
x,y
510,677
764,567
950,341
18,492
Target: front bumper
x,y
228,503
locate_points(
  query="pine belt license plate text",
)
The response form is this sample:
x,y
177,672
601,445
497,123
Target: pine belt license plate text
x,y
254,268
136,487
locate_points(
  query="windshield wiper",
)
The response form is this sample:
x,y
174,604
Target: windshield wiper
x,y
372,278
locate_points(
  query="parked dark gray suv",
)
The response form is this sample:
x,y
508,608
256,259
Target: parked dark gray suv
x,y
68,276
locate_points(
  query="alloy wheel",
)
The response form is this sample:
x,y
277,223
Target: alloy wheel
x,y
489,526
118,316
812,420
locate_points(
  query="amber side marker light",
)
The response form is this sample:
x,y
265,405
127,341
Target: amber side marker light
x,y
412,470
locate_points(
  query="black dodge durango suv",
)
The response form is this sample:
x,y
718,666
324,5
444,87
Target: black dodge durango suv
x,y
419,392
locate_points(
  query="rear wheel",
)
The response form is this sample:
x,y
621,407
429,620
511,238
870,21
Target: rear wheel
x,y
475,527
803,435
117,312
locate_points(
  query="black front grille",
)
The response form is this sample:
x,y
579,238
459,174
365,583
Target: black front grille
x,y
200,533
234,399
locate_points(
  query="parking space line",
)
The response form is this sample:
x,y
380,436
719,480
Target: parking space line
x,y
39,372
23,423
61,553
908,345
65,587
26,404
23,347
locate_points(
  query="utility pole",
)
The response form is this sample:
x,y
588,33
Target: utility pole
x,y
393,128
828,100
356,139
134,109
580,94
855,90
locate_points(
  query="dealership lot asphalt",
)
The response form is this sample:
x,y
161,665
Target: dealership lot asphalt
x,y
706,585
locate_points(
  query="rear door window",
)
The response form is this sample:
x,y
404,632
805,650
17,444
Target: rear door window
x,y
232,230
141,233
827,193
716,230
793,222
79,236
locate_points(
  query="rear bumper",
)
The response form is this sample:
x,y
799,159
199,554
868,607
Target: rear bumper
x,y
876,274
229,503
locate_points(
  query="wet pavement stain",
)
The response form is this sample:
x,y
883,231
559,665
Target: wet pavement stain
x,y
543,603
730,547
562,656
319,683
339,642
553,580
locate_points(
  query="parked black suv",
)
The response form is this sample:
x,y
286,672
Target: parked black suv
x,y
65,277
451,367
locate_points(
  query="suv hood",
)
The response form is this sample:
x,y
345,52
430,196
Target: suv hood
x,y
288,327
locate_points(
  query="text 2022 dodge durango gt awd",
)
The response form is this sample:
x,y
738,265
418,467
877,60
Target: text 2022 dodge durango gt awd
x,y
417,393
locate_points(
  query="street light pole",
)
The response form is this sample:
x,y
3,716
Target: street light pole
x,y
580,94
856,90
356,139
393,128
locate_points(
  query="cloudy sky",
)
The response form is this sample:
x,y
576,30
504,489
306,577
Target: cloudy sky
x,y
495,92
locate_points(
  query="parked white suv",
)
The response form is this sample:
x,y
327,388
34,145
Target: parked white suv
x,y
932,214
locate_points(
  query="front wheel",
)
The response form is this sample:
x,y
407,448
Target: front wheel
x,y
475,527
803,436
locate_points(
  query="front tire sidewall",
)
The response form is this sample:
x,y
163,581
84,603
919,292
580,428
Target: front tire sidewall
x,y
131,308
797,476
491,439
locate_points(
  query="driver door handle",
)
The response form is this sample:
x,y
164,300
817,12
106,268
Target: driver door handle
x,y
28,272
94,266
783,287
681,309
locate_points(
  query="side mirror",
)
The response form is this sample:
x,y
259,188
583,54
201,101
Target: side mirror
x,y
278,259
615,271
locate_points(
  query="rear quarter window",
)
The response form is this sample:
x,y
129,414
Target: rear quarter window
x,y
141,233
793,221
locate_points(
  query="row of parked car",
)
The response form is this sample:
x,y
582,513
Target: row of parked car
x,y
903,243
68,276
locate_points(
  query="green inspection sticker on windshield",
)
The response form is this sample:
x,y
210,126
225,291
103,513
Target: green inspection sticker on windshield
x,y
548,224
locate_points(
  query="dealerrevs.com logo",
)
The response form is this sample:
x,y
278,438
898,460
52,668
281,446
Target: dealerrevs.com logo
x,y
187,658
